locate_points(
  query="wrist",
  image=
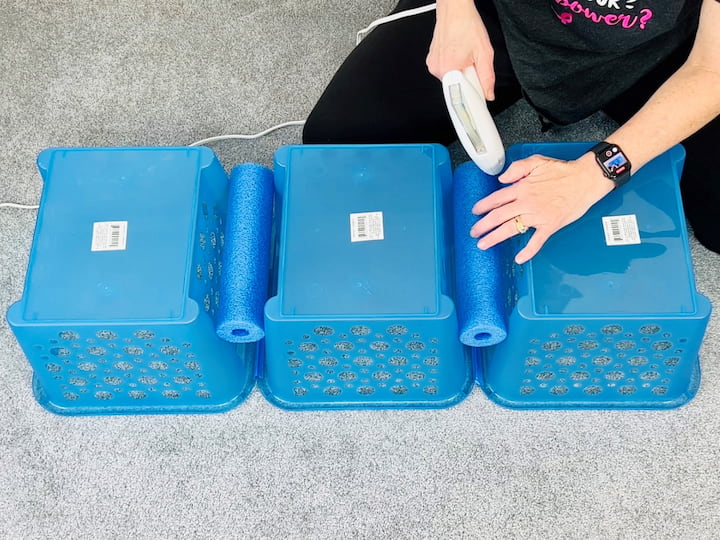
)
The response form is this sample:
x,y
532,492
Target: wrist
x,y
443,4
597,183
613,162
449,8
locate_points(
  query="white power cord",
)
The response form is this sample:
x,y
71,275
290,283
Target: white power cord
x,y
18,205
360,35
394,17
254,136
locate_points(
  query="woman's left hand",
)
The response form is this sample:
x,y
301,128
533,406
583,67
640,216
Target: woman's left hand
x,y
544,194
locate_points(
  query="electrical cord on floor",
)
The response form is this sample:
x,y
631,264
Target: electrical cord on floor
x,y
18,205
360,35
246,137
394,17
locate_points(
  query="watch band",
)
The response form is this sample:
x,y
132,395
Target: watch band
x,y
613,162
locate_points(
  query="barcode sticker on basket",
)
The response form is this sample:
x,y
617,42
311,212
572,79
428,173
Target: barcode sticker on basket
x,y
109,236
621,230
366,226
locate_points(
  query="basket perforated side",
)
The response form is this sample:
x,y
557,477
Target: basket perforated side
x,y
336,364
98,371
207,257
624,363
104,366
621,359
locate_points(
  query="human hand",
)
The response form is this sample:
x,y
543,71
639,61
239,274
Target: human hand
x,y
460,40
546,194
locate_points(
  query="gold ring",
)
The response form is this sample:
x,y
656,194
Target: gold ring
x,y
520,226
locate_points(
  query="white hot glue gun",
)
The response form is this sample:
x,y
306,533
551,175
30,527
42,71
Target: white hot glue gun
x,y
472,120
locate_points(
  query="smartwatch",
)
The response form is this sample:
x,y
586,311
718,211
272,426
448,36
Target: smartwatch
x,y
613,162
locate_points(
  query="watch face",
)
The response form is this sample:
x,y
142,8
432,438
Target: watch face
x,y
614,161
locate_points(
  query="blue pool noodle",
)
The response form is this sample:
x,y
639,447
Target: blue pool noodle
x,y
480,286
246,257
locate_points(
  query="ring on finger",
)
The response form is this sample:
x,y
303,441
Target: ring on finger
x,y
520,226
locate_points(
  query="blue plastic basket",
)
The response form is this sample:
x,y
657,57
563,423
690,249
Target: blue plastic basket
x,y
122,284
597,322
362,313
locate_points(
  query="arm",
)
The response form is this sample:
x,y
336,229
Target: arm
x,y
685,103
549,194
461,40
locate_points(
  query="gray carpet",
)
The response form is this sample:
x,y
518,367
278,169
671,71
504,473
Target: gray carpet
x,y
94,73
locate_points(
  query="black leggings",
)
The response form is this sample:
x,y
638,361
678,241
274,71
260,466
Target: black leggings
x,y
383,93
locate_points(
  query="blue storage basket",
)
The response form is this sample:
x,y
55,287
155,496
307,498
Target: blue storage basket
x,y
361,313
122,285
593,324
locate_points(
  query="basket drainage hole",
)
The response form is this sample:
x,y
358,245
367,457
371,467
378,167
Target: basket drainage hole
x,y
240,332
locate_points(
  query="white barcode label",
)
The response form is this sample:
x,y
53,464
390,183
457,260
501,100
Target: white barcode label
x,y
621,230
109,236
366,226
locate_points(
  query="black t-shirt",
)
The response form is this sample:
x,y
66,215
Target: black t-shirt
x,y
574,56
